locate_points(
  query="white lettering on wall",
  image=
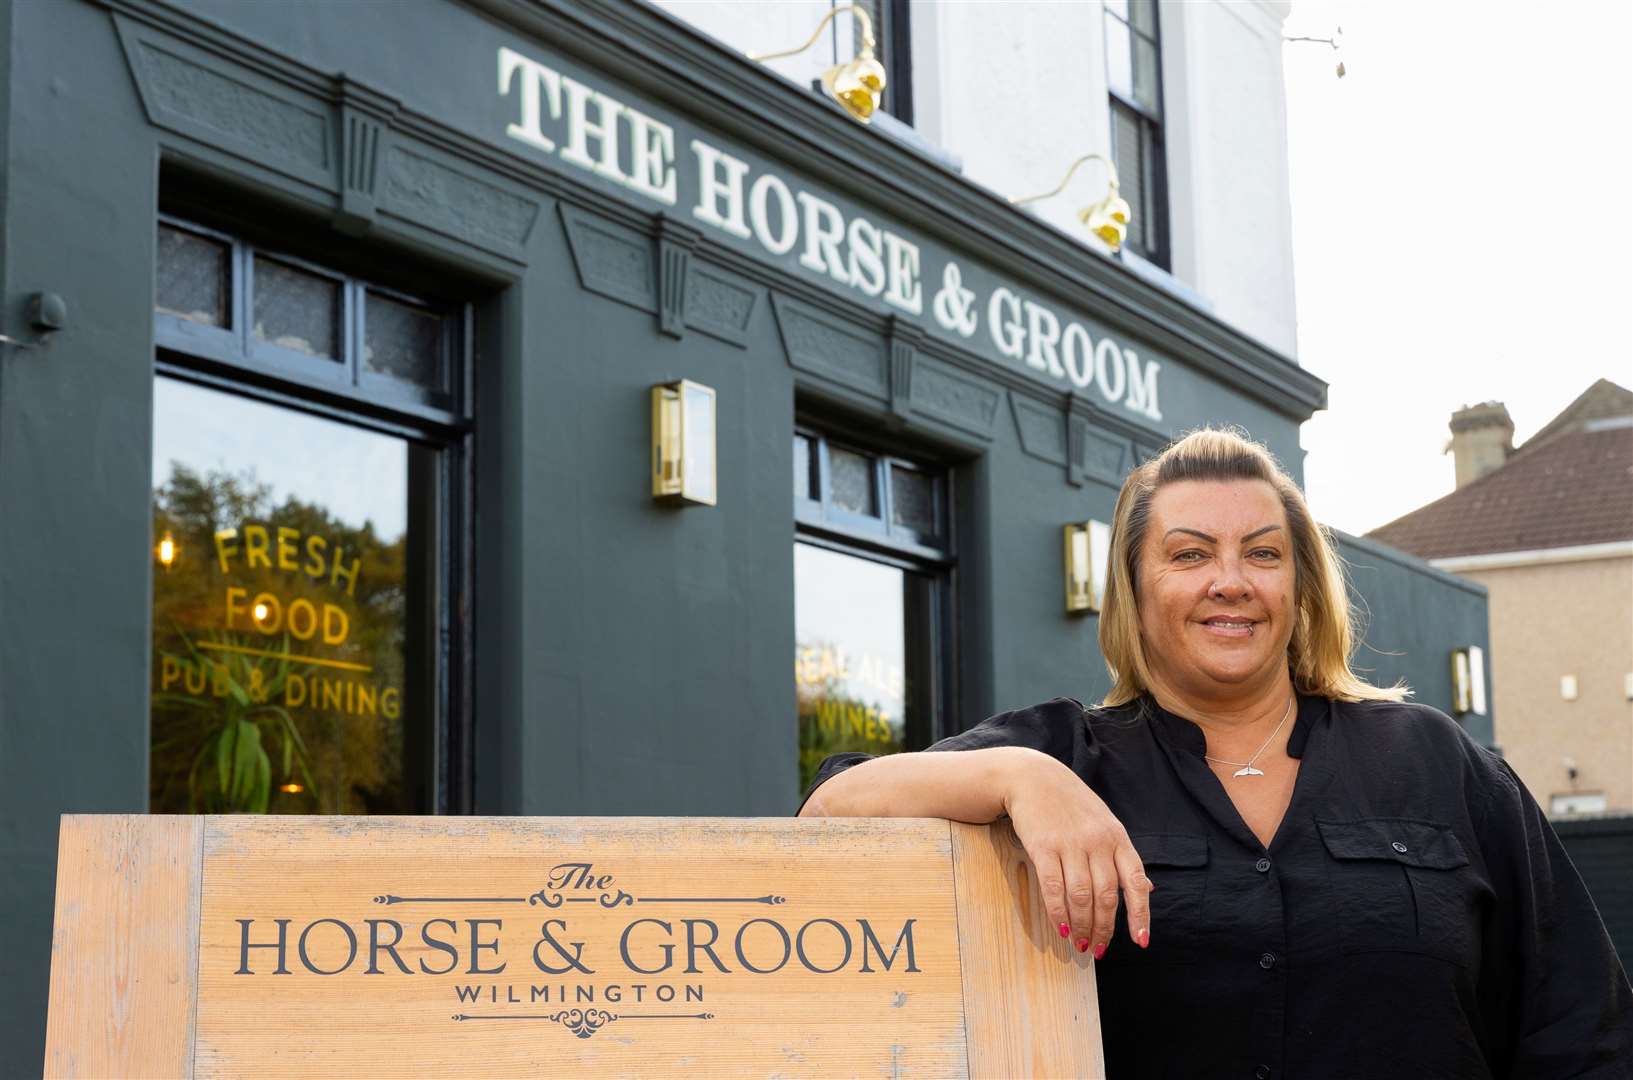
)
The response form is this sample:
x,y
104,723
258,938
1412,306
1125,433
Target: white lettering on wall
x,y
580,130
1044,330
1076,352
781,243
1109,372
652,157
902,262
712,187
824,229
535,77
1004,322
602,134
865,265
1142,386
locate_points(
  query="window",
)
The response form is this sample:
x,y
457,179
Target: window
x,y
1134,79
308,501
873,574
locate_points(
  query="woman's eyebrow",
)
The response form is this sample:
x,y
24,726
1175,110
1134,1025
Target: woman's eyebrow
x,y
1213,539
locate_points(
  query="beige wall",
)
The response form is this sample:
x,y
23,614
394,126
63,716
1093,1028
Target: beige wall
x,y
1550,620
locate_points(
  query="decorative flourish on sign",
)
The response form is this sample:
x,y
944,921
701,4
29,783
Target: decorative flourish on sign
x,y
566,877
584,1022
552,898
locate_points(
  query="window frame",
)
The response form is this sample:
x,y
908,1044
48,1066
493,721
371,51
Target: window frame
x,y
931,663
1153,173
345,376
222,359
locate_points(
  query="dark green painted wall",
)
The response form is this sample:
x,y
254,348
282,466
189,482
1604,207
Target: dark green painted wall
x,y
630,659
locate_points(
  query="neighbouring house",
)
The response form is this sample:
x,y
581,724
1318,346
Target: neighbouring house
x,y
1547,527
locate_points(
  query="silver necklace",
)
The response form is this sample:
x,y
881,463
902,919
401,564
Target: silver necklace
x,y
1247,768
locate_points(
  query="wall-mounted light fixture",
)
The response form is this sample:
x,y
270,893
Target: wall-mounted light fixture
x,y
1108,219
166,551
1336,41
683,452
1567,687
1469,681
858,83
1087,543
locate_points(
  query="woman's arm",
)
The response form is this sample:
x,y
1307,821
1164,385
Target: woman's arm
x,y
970,786
1013,764
1563,1001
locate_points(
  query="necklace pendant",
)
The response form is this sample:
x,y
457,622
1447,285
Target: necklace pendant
x,y
1248,770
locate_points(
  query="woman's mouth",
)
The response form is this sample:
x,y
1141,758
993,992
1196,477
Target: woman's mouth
x,y
1229,625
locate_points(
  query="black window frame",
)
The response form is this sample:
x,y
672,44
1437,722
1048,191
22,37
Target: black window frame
x,y
1152,167
230,359
932,661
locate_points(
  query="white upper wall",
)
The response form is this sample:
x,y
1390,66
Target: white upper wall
x,y
1017,90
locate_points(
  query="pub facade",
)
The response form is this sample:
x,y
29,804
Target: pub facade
x,y
473,407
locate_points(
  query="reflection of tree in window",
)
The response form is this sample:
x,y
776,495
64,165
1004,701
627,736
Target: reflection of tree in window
x,y
352,738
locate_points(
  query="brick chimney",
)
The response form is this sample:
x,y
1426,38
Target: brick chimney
x,y
1482,439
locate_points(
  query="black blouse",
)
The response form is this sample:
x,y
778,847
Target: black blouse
x,y
1414,916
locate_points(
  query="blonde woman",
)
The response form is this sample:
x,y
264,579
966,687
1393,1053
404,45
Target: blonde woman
x,y
1316,878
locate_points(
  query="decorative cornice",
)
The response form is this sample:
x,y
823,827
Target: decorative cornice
x,y
668,60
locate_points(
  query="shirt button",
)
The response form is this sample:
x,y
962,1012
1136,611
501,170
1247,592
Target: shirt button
x,y
1398,846
1267,961
1262,1072
1262,866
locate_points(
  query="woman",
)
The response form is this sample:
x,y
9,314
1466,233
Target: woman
x,y
1317,878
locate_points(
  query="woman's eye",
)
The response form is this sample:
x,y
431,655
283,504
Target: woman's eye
x,y
1266,554
1188,556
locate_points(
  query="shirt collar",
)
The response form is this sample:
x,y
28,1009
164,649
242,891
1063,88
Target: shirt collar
x,y
1181,734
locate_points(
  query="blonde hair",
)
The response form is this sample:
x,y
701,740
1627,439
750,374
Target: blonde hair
x,y
1326,629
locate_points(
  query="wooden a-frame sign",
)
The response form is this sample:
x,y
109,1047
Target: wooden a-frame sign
x,y
634,946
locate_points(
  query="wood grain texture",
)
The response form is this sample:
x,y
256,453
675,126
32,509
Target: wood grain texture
x,y
333,946
124,947
859,1020
1030,1004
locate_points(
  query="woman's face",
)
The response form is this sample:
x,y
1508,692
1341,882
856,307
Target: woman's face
x,y
1216,587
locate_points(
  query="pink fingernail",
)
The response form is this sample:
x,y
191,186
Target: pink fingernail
x,y
1065,931
1100,950
1143,938
1082,943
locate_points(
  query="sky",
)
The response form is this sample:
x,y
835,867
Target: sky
x,y
1462,228
356,475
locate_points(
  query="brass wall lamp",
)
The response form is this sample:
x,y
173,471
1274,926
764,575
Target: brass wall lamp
x,y
1086,549
856,84
1108,219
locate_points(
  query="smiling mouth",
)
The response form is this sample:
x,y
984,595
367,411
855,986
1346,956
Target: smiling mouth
x,y
1230,627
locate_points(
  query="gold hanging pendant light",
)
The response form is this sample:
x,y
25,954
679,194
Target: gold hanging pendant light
x,y
1109,217
857,84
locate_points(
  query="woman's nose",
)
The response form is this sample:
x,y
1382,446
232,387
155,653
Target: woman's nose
x,y
1230,584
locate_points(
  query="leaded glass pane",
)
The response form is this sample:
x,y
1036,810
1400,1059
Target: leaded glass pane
x,y
194,279
851,481
403,341
297,310
913,500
